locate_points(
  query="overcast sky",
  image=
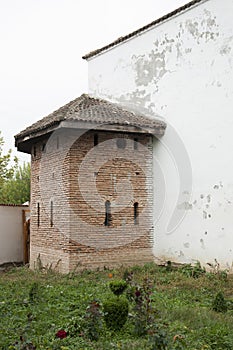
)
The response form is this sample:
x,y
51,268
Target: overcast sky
x,y
42,42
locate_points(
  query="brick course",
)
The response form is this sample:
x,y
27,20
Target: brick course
x,y
78,179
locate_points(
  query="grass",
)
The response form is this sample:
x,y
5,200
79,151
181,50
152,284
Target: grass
x,y
34,306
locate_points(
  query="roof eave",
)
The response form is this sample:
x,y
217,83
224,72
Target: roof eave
x,y
157,130
24,143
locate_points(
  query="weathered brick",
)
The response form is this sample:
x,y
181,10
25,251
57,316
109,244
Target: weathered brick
x,y
77,236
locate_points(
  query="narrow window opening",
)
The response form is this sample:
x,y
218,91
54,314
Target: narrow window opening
x,y
58,142
96,139
121,143
44,147
135,145
34,151
107,221
51,214
38,214
136,214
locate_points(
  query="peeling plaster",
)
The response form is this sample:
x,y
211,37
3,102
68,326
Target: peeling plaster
x,y
206,30
226,47
150,69
181,254
202,243
185,206
138,100
186,192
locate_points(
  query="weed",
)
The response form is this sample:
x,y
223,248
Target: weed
x,y
219,303
34,292
142,312
158,339
195,271
93,320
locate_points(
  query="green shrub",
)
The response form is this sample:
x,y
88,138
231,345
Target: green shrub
x,y
219,303
195,271
118,287
116,312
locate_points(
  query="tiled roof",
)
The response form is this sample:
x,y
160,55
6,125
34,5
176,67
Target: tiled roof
x,y
142,29
94,111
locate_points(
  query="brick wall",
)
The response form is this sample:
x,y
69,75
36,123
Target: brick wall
x,y
78,179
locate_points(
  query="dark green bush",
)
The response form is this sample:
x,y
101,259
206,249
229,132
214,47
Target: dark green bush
x,y
115,312
219,303
118,287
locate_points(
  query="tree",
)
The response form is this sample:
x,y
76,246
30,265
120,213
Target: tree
x,y
6,171
14,179
17,189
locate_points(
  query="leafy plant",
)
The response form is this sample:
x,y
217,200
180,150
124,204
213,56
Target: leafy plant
x,y
127,276
118,287
158,339
169,266
219,303
34,292
23,344
93,321
115,312
195,271
143,313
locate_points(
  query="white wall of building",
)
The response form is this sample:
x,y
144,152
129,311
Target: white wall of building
x,y
182,70
11,233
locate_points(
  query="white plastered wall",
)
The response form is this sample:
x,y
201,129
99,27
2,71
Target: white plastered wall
x,y
182,70
11,234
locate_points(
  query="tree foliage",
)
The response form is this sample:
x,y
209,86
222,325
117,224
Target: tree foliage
x,y
14,179
6,171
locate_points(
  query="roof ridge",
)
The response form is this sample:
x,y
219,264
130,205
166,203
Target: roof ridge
x,y
142,29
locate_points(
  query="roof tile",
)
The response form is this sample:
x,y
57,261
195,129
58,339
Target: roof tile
x,y
93,110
